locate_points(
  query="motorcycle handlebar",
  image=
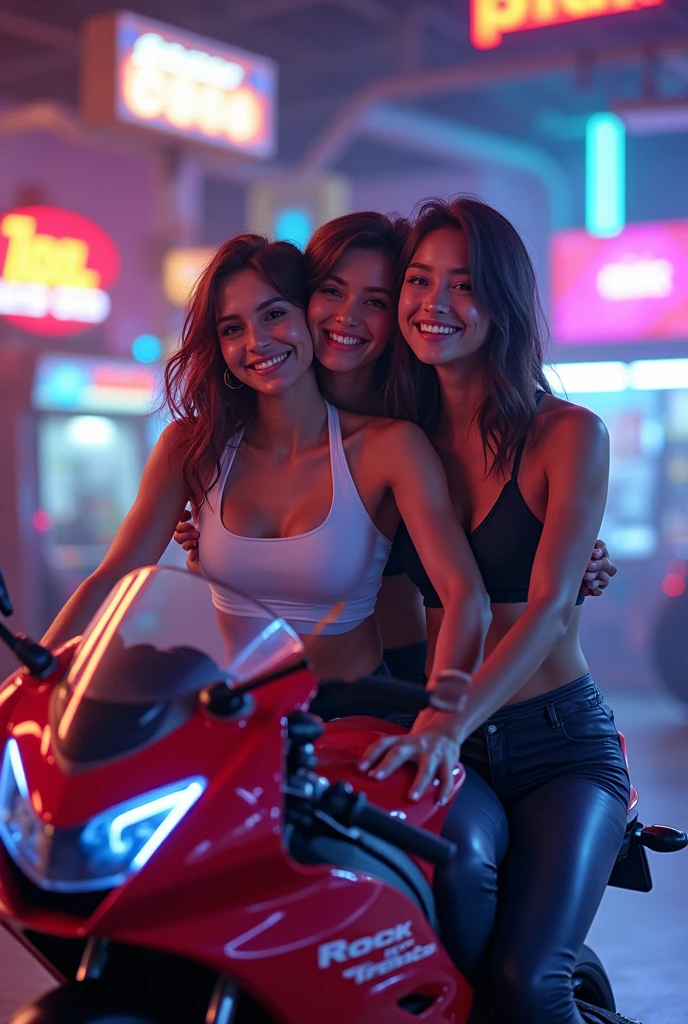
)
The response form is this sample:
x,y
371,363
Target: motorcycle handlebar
x,y
406,837
373,691
341,802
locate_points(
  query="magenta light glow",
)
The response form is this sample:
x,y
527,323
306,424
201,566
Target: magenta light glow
x,y
633,287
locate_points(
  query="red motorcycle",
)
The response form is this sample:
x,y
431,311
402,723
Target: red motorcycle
x,y
181,841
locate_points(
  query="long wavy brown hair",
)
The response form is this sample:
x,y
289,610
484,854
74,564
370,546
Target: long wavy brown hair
x,y
367,230
503,281
209,413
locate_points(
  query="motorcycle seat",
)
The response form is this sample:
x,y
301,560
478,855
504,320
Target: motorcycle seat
x,y
633,798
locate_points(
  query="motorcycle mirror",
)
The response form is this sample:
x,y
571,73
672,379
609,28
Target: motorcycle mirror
x,y
5,602
38,659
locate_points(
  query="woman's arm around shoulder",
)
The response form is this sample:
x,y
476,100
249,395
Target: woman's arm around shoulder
x,y
141,539
575,456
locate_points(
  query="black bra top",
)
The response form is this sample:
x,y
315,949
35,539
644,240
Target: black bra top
x,y
504,545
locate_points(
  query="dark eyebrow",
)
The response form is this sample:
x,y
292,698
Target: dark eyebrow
x,y
261,306
343,283
424,266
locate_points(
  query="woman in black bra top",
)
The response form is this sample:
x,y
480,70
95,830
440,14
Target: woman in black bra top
x,y
352,263
541,817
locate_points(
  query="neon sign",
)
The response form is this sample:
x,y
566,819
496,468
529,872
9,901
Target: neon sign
x,y
142,72
493,19
633,287
181,268
55,269
88,385
633,278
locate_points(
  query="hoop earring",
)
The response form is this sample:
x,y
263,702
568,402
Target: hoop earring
x,y
227,378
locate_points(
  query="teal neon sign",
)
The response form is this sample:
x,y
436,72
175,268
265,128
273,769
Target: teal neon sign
x,y
605,175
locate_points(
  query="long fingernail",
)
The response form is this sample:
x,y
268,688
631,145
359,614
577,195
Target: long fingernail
x,y
378,775
363,766
415,796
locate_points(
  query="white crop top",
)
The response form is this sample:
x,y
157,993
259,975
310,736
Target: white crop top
x,y
301,579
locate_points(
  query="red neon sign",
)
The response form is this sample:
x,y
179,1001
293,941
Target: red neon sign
x,y
55,269
492,19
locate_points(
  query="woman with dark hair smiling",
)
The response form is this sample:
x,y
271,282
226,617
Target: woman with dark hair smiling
x,y
547,789
351,270
297,502
351,266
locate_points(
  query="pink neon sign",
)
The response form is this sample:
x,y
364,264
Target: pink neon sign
x,y
630,288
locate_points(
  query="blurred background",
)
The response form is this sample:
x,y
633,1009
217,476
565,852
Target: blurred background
x,y
132,143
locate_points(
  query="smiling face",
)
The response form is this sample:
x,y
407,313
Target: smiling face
x,y
439,315
264,338
351,313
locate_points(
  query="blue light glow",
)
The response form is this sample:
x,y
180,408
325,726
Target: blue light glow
x,y
146,348
605,175
59,384
101,854
294,225
184,801
17,768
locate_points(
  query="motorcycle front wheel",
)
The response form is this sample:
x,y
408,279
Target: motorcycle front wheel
x,y
84,1002
93,1002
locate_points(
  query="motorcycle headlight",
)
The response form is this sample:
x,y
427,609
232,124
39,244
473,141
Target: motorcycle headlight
x,y
98,854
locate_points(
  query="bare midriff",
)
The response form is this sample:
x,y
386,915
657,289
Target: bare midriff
x,y
399,612
565,663
345,655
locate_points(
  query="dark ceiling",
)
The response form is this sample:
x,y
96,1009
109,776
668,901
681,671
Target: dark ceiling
x,y
537,86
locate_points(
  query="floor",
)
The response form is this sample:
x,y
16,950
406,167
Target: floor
x,y
642,939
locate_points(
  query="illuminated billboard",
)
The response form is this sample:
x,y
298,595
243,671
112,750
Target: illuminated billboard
x,y
86,384
633,287
181,268
55,270
493,19
142,72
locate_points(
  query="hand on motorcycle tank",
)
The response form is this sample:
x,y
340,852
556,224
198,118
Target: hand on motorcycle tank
x,y
434,743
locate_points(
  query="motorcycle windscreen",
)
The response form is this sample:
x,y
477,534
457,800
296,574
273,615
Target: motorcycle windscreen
x,y
156,641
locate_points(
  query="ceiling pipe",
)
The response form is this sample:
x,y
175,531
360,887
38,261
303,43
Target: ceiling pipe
x,y
41,117
478,73
41,32
442,137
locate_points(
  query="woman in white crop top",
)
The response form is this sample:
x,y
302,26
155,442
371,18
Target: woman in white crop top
x,y
298,502
351,268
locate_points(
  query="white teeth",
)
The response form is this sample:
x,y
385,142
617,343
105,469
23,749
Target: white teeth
x,y
345,339
267,363
434,329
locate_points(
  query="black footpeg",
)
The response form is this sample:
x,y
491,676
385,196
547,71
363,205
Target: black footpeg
x,y
660,838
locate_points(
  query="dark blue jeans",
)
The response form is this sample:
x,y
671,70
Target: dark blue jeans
x,y
538,825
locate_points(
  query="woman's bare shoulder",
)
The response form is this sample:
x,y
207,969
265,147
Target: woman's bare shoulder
x,y
561,421
381,428
174,442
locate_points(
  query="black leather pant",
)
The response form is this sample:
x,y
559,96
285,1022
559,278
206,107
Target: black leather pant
x,y
538,825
